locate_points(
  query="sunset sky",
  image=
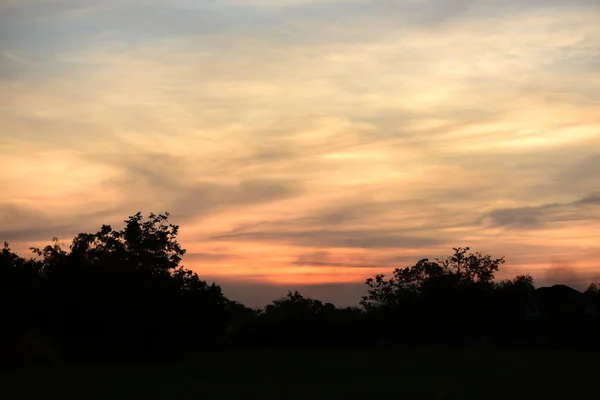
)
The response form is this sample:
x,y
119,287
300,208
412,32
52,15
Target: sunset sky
x,y
308,144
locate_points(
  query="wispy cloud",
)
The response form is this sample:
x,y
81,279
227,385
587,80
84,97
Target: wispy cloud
x,y
365,239
584,209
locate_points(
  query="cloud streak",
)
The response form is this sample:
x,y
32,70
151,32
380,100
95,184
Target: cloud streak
x,y
587,208
364,239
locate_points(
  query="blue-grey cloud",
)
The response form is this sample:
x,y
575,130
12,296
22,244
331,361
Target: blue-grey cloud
x,y
20,223
209,197
341,238
589,200
540,216
328,259
324,258
167,177
60,25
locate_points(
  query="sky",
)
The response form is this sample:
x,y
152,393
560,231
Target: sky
x,y
308,144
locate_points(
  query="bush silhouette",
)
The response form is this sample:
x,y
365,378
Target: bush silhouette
x,y
123,294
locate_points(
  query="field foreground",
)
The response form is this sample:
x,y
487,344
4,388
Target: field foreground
x,y
323,374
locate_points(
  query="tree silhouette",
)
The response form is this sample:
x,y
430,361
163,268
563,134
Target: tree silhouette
x,y
428,276
123,294
449,296
118,292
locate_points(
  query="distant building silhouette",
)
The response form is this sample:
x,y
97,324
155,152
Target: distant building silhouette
x,y
556,300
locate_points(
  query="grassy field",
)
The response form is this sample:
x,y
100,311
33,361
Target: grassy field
x,y
330,374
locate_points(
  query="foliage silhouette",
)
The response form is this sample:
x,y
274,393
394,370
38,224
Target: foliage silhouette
x,y
113,293
123,294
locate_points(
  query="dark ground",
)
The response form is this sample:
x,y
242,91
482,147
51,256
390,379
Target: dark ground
x,y
325,374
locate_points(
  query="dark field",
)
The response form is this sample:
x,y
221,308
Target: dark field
x,y
326,374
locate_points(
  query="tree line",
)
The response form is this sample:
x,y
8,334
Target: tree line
x,y
123,294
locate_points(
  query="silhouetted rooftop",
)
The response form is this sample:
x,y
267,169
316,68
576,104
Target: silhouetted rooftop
x,y
559,290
